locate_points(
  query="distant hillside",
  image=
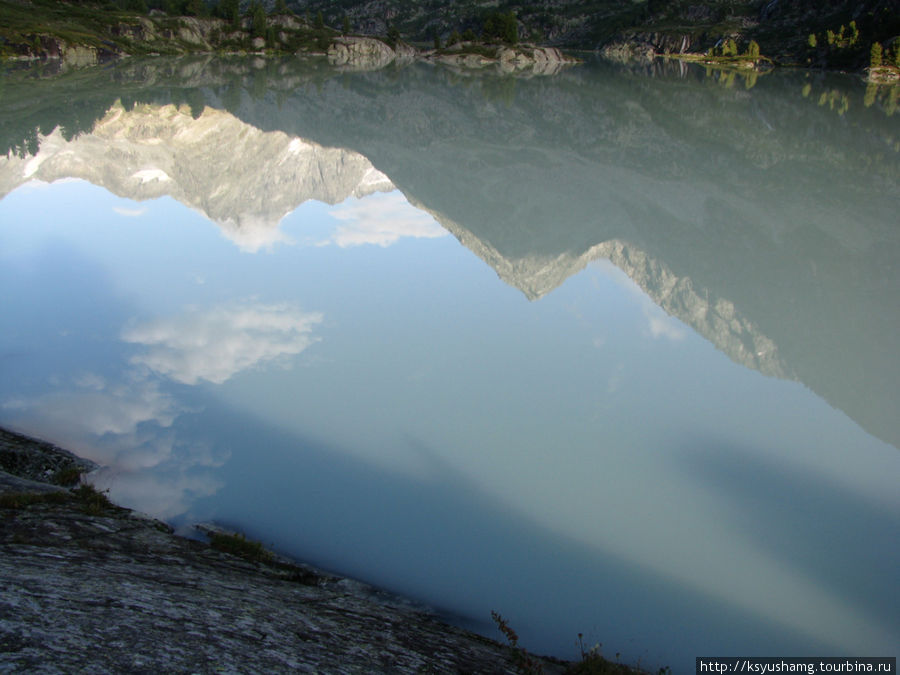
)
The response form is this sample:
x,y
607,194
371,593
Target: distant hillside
x,y
781,27
817,33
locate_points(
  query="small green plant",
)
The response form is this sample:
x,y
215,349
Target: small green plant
x,y
93,502
67,476
237,544
524,662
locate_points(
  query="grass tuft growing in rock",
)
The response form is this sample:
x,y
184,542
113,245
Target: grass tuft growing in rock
x,y
19,500
93,502
237,544
67,476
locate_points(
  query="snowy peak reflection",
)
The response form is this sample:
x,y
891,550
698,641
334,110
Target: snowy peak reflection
x,y
243,179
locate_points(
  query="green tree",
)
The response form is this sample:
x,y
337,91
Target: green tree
x,y
195,8
230,11
510,29
753,49
812,42
437,41
454,39
469,35
280,7
875,55
346,25
257,20
174,8
393,35
502,27
320,20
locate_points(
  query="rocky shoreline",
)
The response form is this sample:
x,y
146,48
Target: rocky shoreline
x,y
158,34
365,53
90,586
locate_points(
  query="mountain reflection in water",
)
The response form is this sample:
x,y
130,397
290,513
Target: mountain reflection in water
x,y
584,462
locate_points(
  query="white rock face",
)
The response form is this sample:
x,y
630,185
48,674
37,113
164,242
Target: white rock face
x,y
521,60
243,179
360,53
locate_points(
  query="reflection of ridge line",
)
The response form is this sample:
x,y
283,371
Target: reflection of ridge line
x,y
716,319
210,164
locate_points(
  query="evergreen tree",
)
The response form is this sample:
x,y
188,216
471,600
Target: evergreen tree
x,y
875,55
280,7
346,25
230,11
257,20
320,20
500,26
195,8
510,29
437,41
753,49
393,35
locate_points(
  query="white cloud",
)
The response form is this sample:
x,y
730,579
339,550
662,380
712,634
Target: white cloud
x,y
216,344
663,325
127,428
129,213
162,494
252,234
382,220
95,409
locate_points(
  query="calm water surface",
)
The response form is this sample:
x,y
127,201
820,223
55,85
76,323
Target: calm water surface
x,y
611,352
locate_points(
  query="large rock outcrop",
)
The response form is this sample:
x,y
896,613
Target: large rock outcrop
x,y
360,53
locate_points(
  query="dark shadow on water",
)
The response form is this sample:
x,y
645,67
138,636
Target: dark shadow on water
x,y
830,535
444,542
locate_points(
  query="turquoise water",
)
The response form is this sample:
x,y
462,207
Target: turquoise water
x,y
610,352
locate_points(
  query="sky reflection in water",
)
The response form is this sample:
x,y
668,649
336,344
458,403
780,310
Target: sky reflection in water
x,y
357,388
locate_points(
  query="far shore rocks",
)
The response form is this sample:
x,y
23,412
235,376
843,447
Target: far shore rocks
x,y
366,53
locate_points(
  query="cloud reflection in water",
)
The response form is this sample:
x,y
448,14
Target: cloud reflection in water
x,y
216,344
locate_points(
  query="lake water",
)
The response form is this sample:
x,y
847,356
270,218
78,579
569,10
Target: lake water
x,y
612,352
